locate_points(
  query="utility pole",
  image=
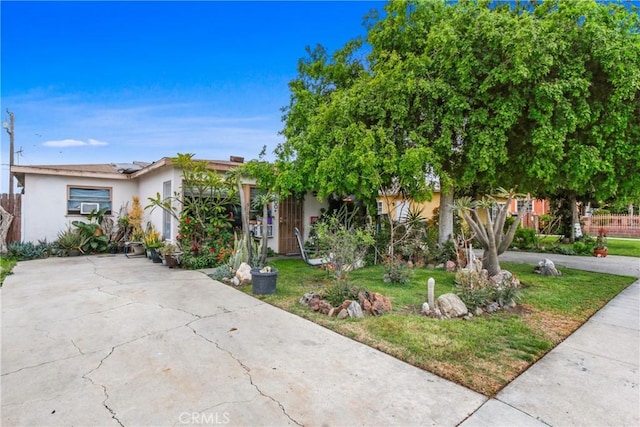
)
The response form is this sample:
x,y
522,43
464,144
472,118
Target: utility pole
x,y
9,128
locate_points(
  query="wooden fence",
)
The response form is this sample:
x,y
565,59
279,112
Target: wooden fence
x,y
15,209
615,225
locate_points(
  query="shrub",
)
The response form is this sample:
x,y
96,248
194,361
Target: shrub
x,y
69,239
477,290
344,244
443,253
221,272
525,238
397,271
22,251
340,291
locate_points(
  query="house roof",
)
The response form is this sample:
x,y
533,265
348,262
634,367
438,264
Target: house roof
x,y
109,170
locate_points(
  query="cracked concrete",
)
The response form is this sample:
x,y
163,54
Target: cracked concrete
x,y
111,341
117,341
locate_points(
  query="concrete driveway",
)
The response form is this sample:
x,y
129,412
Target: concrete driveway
x,y
108,341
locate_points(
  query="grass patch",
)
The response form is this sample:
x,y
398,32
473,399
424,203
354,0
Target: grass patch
x,y
484,353
624,247
6,265
616,246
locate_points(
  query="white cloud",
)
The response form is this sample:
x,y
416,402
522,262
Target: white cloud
x,y
74,143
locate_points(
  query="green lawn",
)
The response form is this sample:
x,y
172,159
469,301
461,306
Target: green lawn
x,y
624,247
6,265
484,353
616,246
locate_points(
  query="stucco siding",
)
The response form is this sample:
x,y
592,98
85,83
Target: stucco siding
x,y
150,185
311,208
45,203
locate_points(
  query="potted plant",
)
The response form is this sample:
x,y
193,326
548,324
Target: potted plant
x,y
152,243
170,255
69,242
263,174
600,248
263,280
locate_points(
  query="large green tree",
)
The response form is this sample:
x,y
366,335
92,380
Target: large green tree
x,y
580,137
475,95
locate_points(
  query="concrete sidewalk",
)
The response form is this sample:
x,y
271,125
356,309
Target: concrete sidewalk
x,y
105,340
590,379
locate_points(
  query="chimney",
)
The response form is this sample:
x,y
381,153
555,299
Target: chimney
x,y
236,159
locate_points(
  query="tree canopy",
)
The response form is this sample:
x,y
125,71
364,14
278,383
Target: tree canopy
x,y
542,98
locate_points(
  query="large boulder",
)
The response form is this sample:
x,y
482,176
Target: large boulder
x,y
243,273
450,305
504,279
546,267
374,303
354,310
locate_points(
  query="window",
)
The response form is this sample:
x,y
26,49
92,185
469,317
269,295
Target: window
x,y
495,209
521,204
82,200
166,217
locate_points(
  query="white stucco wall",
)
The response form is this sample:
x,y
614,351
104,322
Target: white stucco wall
x,y
311,208
152,183
44,203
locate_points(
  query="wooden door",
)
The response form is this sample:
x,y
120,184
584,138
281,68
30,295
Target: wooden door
x,y
289,215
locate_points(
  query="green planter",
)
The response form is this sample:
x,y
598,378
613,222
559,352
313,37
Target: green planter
x,y
263,283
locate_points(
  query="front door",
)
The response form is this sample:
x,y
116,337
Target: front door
x,y
290,215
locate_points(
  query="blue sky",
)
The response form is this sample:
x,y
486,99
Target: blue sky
x,y
100,82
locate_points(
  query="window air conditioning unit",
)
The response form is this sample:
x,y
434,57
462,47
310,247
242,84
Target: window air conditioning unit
x,y
87,208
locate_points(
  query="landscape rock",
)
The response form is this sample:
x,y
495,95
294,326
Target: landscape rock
x,y
364,302
510,304
343,314
380,304
355,311
243,274
372,303
425,309
450,305
504,279
332,312
546,267
325,307
321,306
493,307
306,298
450,266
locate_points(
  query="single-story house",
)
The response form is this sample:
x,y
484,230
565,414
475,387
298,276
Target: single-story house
x,y
399,207
55,195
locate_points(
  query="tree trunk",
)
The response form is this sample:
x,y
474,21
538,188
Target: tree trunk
x,y
574,216
445,226
265,236
244,213
490,261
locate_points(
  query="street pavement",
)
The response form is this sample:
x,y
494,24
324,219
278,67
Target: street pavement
x,y
109,340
